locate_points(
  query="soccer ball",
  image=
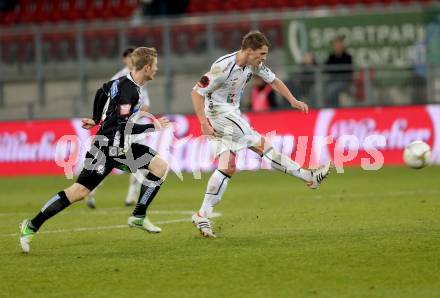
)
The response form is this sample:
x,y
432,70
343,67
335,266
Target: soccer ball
x,y
417,154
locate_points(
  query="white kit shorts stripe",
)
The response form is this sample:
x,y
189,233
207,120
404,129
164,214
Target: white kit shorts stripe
x,y
232,133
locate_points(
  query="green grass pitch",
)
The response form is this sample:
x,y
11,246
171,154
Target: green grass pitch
x,y
363,234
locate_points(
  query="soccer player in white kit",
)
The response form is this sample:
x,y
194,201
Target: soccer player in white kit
x,y
216,100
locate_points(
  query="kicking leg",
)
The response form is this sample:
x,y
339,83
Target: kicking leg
x,y
285,164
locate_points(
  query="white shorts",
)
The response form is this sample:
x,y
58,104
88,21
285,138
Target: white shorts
x,y
232,133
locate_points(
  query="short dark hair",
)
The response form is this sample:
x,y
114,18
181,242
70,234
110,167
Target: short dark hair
x,y
254,40
127,52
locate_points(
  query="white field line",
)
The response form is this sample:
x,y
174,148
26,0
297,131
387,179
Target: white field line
x,y
101,228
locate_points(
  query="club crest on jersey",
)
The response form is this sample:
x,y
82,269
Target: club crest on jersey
x,y
124,109
100,169
230,98
114,88
204,82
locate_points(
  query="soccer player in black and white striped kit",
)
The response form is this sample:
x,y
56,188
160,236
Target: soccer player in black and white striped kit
x,y
100,107
111,149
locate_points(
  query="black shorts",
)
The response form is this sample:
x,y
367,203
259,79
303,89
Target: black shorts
x,y
99,163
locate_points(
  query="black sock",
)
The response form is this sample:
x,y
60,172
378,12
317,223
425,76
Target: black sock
x,y
52,207
148,192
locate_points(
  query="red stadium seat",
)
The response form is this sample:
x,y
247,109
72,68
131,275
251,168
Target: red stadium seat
x,y
274,31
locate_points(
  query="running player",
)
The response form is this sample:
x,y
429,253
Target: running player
x,y
111,149
100,108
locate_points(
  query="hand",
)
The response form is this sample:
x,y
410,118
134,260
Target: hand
x,y
207,129
302,106
162,122
87,123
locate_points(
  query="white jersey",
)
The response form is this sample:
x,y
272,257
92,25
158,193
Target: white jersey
x,y
222,87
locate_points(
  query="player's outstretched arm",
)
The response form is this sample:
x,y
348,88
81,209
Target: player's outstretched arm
x,y
87,123
198,103
282,89
157,124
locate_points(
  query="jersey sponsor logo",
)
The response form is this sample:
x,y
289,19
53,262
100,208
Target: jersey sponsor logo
x,y
124,109
114,89
204,82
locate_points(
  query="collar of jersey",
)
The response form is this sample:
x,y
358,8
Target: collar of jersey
x,y
131,79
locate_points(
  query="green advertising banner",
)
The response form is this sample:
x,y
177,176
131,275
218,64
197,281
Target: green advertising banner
x,y
380,39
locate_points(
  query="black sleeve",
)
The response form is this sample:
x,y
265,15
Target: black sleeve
x,y
141,128
98,104
101,97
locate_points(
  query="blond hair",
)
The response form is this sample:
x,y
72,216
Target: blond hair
x,y
143,56
254,40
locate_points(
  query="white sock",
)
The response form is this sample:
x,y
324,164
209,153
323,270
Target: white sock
x,y
133,190
284,164
216,187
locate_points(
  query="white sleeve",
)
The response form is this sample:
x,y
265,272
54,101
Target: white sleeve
x,y
210,81
264,72
145,96
123,72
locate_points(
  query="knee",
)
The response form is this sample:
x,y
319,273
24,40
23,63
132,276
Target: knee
x,y
229,171
226,163
231,167
158,167
76,192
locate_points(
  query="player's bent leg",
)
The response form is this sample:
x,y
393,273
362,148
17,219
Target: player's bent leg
x,y
158,168
76,192
216,187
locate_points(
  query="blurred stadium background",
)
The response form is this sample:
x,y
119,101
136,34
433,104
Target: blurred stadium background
x,y
54,54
